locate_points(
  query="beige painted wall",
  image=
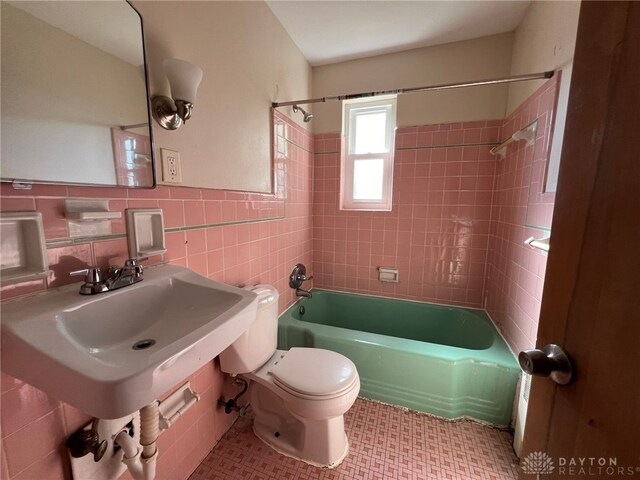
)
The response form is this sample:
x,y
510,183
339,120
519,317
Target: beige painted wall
x,y
544,40
248,61
486,57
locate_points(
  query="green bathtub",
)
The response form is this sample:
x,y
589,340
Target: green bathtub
x,y
445,361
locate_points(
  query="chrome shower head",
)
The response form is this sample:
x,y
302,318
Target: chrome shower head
x,y
306,117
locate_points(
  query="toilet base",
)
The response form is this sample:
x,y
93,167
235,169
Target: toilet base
x,y
319,442
285,449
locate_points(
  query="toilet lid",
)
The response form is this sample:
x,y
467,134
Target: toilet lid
x,y
314,371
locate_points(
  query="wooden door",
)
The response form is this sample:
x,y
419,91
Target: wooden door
x,y
591,301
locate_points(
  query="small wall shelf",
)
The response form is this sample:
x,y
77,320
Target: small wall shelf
x,y
23,252
145,232
527,134
92,216
89,217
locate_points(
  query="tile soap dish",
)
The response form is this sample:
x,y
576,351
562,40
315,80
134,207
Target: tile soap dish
x,y
23,254
89,217
145,232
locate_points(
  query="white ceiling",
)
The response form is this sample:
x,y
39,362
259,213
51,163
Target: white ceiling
x,y
335,31
111,26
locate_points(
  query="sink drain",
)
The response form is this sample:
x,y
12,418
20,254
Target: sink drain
x,y
143,344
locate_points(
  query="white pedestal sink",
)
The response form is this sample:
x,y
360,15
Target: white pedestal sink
x,y
80,349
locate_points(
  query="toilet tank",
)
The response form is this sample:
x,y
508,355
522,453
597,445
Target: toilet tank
x,y
259,342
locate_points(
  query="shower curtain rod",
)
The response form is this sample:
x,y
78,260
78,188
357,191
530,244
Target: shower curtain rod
x,y
400,91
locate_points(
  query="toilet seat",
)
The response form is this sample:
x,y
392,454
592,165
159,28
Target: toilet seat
x,y
314,373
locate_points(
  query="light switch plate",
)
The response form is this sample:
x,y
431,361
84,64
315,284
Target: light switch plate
x,y
171,172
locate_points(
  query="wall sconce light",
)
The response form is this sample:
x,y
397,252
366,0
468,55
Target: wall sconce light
x,y
184,79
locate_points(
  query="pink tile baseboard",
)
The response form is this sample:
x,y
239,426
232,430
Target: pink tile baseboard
x,y
277,235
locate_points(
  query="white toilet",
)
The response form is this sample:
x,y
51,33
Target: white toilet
x,y
298,396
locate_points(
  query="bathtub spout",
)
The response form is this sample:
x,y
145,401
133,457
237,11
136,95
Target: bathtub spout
x,y
302,293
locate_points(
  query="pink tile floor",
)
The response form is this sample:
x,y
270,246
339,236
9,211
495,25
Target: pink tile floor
x,y
386,443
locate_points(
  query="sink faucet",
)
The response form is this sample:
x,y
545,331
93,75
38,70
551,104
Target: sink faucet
x,y
297,277
118,277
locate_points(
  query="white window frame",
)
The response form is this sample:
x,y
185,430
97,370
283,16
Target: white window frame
x,y
350,108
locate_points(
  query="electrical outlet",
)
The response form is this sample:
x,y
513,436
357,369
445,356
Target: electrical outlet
x,y
171,166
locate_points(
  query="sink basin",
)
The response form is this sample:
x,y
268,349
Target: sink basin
x,y
112,353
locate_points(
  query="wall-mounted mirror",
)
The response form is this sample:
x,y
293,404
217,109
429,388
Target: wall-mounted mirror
x,y
74,94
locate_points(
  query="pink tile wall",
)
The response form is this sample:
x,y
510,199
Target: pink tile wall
x,y
274,233
521,209
459,219
437,234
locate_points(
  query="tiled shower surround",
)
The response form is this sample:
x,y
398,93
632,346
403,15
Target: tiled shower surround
x,y
456,230
459,219
237,238
437,234
521,209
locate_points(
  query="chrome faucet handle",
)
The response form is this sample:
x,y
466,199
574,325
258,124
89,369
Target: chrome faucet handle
x,y
298,276
134,265
92,281
91,274
135,262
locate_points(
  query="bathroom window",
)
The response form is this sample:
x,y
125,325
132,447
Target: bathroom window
x,y
368,129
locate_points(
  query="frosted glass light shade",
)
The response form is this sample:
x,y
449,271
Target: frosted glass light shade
x,y
184,79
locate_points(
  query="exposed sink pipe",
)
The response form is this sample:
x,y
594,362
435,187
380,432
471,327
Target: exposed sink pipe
x,y
149,432
141,462
132,452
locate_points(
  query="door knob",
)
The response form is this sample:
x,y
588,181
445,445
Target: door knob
x,y
550,361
